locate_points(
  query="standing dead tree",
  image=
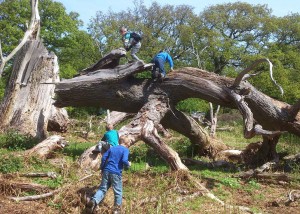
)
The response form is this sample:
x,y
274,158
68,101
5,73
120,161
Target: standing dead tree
x,y
27,104
117,89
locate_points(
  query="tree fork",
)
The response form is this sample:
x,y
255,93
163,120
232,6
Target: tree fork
x,y
143,127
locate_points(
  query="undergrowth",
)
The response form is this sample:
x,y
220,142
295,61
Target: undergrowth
x,y
149,186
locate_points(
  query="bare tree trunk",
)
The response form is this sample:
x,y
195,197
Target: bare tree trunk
x,y
27,105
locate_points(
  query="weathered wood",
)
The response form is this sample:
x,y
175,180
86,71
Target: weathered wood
x,y
58,120
89,160
27,104
188,127
117,117
110,60
39,174
34,197
28,100
31,33
214,119
8,187
117,89
143,127
210,165
110,89
46,148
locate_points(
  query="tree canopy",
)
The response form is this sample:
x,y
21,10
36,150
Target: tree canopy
x,y
223,38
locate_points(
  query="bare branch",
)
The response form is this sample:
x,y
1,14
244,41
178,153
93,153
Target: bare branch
x,y
40,174
244,74
250,130
34,197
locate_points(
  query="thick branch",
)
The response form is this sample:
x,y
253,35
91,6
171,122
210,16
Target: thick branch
x,y
188,127
110,60
294,110
249,129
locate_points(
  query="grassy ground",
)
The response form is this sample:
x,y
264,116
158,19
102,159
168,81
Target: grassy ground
x,y
149,186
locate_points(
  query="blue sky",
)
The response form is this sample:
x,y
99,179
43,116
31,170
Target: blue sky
x,y
88,8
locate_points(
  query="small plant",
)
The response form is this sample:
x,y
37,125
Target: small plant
x,y
13,140
10,164
51,183
254,184
231,182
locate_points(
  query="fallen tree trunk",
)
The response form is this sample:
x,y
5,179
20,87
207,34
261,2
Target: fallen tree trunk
x,y
117,89
113,88
46,148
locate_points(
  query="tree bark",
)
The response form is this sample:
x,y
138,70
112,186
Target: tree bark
x,y
144,127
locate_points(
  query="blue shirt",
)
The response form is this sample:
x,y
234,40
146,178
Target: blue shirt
x,y
166,57
112,137
114,159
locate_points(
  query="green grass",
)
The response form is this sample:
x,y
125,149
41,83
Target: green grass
x,y
74,150
9,163
13,140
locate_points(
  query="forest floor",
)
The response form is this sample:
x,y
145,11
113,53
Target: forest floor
x,y
148,192
149,186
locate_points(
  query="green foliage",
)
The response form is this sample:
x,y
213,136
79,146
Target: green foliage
x,y
10,163
83,112
74,150
253,184
192,105
231,182
50,182
142,155
13,140
60,33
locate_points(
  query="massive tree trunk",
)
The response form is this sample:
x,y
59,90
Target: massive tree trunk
x,y
117,89
27,105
